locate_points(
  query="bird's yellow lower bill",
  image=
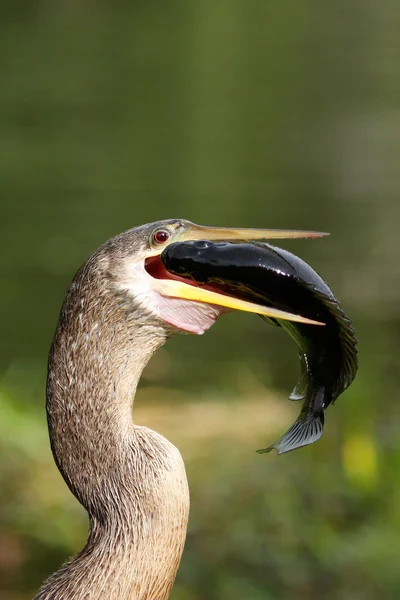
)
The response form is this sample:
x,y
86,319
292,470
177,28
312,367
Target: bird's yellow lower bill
x,y
178,289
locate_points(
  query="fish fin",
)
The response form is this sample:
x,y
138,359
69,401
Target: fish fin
x,y
348,340
306,430
300,389
270,321
303,383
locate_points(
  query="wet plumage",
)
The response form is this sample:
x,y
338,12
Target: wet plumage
x,y
275,277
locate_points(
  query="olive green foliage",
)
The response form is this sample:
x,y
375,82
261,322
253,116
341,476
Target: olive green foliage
x,y
229,112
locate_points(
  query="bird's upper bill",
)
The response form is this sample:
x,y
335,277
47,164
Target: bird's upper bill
x,y
181,302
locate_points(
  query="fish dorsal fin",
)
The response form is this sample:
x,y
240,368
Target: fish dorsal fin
x,y
349,342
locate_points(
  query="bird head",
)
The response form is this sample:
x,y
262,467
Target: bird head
x,y
180,303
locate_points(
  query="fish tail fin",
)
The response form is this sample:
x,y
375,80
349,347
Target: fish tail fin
x,y
306,430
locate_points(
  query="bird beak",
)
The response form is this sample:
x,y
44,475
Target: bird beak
x,y
184,289
198,232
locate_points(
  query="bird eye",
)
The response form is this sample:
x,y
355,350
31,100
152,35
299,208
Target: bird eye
x,y
160,237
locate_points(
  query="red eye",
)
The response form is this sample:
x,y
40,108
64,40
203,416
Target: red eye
x,y
160,237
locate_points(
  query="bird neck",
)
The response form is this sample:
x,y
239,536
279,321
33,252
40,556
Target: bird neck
x,y
130,479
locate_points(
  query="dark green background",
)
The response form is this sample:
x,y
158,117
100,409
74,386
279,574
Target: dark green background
x,y
224,112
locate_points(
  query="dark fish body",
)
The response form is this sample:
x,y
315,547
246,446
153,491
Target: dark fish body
x,y
274,277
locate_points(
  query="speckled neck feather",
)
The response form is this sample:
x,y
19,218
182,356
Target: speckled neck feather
x,y
130,479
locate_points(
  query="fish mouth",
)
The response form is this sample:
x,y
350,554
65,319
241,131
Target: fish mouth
x,y
217,294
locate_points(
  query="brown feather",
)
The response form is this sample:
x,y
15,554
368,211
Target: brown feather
x,y
130,479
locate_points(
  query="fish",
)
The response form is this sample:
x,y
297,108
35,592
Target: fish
x,y
277,278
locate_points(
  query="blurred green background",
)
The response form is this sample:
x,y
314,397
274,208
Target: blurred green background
x,y
224,112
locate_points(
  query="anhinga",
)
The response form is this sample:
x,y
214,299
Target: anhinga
x,y
120,308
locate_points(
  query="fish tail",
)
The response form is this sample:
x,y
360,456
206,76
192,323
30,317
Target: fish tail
x,y
306,430
302,433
